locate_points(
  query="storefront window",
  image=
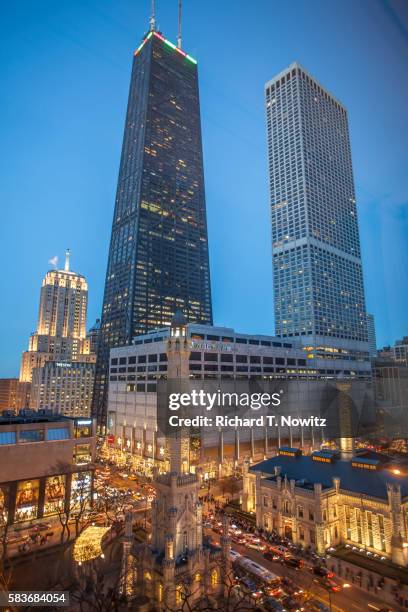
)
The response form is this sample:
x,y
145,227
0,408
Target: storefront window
x,y
27,500
82,454
54,495
81,488
83,428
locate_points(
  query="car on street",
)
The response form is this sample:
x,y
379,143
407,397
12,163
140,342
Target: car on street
x,y
271,556
273,605
293,562
250,587
279,550
321,570
256,546
291,604
234,555
238,539
330,584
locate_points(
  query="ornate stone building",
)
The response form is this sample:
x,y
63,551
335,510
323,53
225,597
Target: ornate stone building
x,y
178,563
57,372
322,501
61,327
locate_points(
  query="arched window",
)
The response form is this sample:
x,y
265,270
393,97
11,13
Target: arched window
x,y
214,578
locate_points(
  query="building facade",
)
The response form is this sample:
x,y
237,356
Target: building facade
x,y
158,254
179,567
92,338
61,327
322,501
217,354
45,462
58,370
8,393
65,387
401,351
317,270
371,335
390,381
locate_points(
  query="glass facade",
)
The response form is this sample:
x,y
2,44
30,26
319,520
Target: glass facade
x,y
58,433
31,435
8,437
158,255
317,271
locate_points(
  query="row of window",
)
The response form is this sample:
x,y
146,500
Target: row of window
x,y
229,358
34,435
40,435
139,359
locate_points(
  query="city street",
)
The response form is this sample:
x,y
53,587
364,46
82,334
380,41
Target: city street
x,y
352,598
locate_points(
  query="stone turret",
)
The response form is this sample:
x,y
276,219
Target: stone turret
x,y
226,557
178,350
398,551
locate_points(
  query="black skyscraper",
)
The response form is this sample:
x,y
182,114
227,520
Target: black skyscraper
x,y
158,254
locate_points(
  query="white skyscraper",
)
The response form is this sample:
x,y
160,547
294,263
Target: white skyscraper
x,y
58,369
61,327
317,271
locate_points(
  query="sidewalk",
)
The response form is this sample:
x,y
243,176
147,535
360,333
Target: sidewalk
x,y
378,580
44,539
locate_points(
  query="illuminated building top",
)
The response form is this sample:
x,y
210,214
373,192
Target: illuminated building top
x,y
166,42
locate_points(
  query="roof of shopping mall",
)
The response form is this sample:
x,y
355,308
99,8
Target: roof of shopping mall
x,y
9,417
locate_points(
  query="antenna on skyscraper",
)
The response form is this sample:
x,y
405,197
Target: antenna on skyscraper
x,y
67,256
179,25
153,17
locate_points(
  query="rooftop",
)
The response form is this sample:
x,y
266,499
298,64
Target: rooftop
x,y
307,472
219,333
168,43
30,416
294,66
382,567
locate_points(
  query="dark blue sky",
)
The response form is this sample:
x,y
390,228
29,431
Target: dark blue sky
x,y
65,77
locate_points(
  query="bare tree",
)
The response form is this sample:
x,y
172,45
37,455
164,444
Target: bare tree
x,y
74,508
112,503
5,561
190,596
